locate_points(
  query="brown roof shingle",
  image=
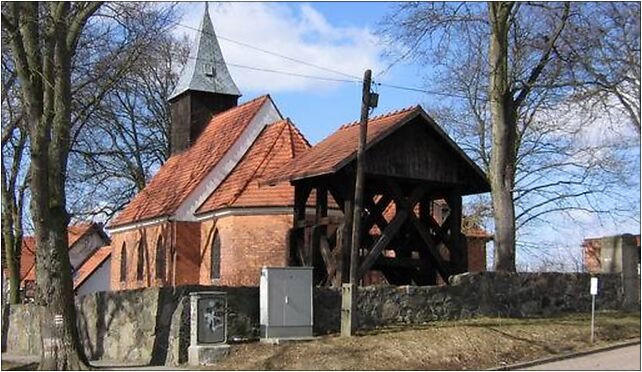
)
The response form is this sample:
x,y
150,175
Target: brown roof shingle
x,y
277,144
183,172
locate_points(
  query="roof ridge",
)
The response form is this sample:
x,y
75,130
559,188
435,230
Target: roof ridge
x,y
296,130
381,116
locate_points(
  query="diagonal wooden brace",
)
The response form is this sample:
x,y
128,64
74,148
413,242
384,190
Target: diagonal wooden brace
x,y
404,209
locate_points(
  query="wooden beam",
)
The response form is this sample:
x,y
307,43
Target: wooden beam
x,y
403,262
404,208
457,243
382,242
376,210
321,203
297,239
442,266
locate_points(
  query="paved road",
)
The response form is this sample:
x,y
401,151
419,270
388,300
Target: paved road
x,y
625,358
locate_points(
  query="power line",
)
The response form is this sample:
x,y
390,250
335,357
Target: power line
x,y
262,69
412,89
272,53
355,78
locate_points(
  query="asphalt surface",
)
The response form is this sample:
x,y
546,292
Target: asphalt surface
x,y
625,358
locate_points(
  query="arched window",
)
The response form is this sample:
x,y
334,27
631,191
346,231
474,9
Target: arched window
x,y
215,257
140,264
160,259
123,263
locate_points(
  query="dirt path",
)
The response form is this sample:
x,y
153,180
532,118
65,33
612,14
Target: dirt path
x,y
473,344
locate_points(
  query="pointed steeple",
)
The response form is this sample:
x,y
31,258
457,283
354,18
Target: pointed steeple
x,y
205,88
205,70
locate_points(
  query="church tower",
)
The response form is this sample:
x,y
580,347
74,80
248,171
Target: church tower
x,y
205,88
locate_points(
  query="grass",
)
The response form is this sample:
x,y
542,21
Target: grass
x,y
479,343
467,344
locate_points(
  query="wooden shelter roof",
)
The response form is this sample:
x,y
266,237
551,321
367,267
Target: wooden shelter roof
x,y
426,139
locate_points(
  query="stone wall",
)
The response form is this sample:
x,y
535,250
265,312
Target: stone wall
x,y
145,326
471,295
151,326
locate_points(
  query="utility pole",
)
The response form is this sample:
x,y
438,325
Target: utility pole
x,y
349,293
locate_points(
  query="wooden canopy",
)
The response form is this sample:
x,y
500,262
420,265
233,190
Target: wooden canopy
x,y
410,163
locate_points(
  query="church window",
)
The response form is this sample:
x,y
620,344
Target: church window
x,y
140,264
123,263
215,262
160,259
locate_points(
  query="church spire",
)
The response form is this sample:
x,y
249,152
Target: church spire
x,y
205,70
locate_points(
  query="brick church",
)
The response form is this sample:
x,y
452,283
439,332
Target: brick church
x,y
207,216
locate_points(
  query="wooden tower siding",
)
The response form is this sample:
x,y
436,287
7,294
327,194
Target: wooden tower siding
x,y
408,169
191,112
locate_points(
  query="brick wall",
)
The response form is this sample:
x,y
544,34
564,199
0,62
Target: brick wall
x,y
591,255
131,239
476,253
247,244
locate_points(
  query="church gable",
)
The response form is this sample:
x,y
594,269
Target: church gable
x,y
277,144
177,179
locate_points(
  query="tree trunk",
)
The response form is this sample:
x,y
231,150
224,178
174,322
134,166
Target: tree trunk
x,y
11,254
502,164
61,347
11,246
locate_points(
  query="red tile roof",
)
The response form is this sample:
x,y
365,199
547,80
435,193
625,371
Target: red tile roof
x,y
340,148
183,172
91,264
277,144
333,152
28,257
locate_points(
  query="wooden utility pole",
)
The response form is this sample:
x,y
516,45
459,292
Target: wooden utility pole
x,y
348,298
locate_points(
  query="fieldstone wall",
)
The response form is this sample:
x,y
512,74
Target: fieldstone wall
x,y
144,326
471,295
151,326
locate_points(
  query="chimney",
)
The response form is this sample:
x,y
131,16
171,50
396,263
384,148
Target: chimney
x,y
204,89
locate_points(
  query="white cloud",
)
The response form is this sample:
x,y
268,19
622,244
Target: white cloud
x,y
295,30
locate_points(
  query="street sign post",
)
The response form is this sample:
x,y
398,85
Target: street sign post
x,y
593,294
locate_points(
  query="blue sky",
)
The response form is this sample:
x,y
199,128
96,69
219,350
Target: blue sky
x,y
342,36
316,107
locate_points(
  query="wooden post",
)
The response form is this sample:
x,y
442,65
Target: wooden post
x,y
320,231
348,316
297,238
360,175
459,254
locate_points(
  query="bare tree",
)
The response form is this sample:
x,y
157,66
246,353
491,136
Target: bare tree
x,y
604,52
129,136
44,44
14,180
537,166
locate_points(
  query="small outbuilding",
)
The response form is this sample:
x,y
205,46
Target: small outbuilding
x,y
411,164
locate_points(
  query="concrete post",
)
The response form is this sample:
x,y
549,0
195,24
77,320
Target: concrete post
x,y
348,309
630,279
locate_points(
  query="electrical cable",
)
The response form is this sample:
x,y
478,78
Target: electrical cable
x,y
270,52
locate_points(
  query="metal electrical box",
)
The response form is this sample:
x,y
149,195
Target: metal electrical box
x,y
286,302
